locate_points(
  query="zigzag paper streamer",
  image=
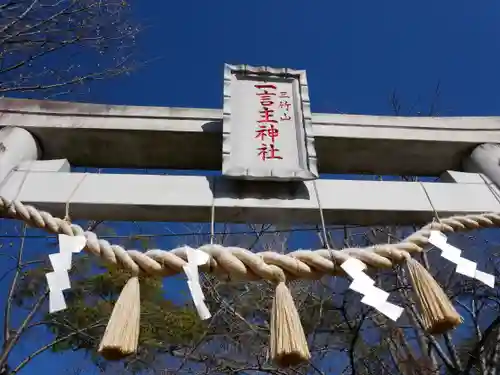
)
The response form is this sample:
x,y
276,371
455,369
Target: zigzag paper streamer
x,y
196,258
58,280
372,296
464,266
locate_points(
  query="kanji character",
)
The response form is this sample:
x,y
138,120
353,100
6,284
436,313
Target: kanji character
x,y
266,152
266,101
285,117
284,104
266,116
265,91
267,131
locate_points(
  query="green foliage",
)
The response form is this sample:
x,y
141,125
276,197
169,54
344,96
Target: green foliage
x,y
90,303
31,284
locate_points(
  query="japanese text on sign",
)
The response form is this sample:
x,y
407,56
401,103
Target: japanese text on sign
x,y
267,131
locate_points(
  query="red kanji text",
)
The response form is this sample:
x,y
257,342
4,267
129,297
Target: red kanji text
x,y
285,117
284,104
265,101
266,115
265,92
268,152
267,131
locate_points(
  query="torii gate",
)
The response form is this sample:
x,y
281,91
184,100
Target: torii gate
x,y
42,138
240,140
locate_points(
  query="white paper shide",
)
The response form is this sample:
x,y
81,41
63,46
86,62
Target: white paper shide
x,y
465,267
372,296
58,280
196,258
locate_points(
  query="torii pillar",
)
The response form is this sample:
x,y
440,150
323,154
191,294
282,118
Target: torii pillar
x,y
485,159
17,145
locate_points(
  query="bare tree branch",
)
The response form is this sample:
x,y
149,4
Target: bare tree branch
x,y
54,47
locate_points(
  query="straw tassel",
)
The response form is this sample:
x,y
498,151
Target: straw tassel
x,y
288,344
122,333
438,313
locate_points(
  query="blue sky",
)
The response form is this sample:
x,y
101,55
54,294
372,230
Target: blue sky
x,y
356,53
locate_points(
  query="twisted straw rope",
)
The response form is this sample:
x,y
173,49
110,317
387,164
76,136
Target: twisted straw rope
x,y
241,264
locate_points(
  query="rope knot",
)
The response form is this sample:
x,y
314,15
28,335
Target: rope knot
x,y
278,275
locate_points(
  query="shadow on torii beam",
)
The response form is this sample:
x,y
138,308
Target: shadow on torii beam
x,y
95,135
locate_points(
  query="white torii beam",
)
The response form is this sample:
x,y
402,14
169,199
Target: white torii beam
x,y
122,136
186,138
190,198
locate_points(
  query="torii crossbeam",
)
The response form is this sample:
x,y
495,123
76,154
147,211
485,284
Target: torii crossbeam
x,y
184,138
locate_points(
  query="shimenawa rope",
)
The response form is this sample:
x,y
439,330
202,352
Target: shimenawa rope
x,y
237,263
243,264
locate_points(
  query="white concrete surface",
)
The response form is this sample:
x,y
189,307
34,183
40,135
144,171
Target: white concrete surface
x,y
464,177
184,138
471,178
485,159
60,165
189,199
16,146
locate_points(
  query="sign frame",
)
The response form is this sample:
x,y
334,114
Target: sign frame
x,y
308,169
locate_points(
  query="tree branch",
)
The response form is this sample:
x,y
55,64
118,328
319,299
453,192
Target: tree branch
x,y
8,303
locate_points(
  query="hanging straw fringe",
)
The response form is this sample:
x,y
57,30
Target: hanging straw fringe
x,y
288,343
122,333
438,313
